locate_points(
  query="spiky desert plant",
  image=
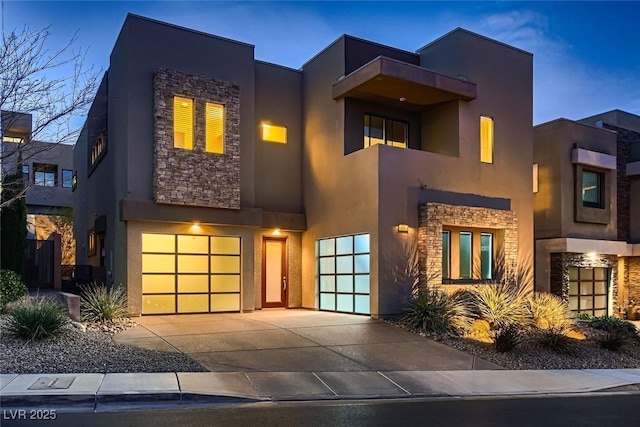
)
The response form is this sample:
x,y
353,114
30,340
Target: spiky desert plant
x,y
500,305
98,302
507,337
558,340
547,311
433,311
37,318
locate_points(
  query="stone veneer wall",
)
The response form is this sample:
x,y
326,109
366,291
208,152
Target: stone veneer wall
x,y
632,278
560,263
195,177
432,216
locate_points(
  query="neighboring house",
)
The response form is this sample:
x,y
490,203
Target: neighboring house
x,y
587,207
209,181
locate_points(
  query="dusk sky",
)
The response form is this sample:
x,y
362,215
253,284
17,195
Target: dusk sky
x,y
586,54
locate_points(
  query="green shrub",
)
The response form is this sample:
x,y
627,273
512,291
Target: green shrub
x,y
548,311
507,337
433,311
37,318
500,305
11,288
556,339
613,324
584,316
613,340
98,302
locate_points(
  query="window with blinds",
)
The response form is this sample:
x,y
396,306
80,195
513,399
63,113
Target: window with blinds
x,y
183,123
486,139
214,128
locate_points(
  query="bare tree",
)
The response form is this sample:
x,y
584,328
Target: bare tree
x,y
54,87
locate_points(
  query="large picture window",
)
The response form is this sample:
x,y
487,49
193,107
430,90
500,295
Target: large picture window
x,y
468,254
379,130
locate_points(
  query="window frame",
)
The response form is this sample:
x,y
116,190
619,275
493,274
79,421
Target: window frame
x,y
385,132
491,257
207,146
68,182
487,140
462,275
599,189
446,272
189,140
92,240
589,282
45,175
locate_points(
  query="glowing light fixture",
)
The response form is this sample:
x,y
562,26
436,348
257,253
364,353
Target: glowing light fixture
x,y
591,256
402,99
276,232
195,227
403,228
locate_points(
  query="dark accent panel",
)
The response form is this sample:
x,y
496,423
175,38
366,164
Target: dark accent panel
x,y
557,275
100,224
358,52
464,199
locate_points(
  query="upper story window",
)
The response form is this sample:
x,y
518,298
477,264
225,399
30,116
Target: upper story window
x,y
535,177
25,173
379,130
486,139
14,139
592,188
67,178
45,175
98,150
273,133
183,123
214,132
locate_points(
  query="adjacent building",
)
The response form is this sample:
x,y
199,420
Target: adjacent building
x,y
209,181
587,205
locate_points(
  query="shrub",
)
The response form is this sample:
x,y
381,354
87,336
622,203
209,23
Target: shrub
x,y
98,302
613,324
612,340
11,288
500,305
548,311
583,316
433,311
558,340
507,337
37,318
480,330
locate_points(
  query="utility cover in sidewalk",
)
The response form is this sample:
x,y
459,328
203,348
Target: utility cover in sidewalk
x,y
52,383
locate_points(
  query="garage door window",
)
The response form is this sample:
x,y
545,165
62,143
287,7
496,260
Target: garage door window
x,y
190,274
343,279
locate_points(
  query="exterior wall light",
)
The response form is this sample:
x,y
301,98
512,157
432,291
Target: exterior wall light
x,y
195,228
276,232
591,256
403,228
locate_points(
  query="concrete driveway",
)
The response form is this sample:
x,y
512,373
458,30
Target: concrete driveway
x,y
295,341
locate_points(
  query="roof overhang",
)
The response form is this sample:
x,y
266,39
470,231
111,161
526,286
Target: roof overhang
x,y
388,80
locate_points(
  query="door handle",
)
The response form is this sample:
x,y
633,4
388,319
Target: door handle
x,y
284,283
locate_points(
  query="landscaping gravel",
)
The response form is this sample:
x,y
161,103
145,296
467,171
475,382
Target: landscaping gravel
x,y
93,351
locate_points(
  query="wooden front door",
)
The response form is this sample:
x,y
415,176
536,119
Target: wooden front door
x,y
274,272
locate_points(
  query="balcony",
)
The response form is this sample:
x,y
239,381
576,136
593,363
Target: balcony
x,y
401,85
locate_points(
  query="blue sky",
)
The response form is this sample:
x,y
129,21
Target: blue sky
x,y
586,54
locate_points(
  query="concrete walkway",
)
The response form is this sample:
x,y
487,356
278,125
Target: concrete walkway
x,y
296,341
100,391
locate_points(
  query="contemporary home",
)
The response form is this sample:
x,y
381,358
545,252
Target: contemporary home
x,y
209,181
587,206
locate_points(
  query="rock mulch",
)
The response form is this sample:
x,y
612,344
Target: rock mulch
x,y
86,348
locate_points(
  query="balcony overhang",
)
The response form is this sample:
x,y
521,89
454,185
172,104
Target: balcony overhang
x,y
389,81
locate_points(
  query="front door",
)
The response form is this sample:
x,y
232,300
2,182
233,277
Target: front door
x,y
274,272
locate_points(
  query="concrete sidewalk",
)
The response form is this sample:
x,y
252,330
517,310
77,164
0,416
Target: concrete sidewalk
x,y
100,391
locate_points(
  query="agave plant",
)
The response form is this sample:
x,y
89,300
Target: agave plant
x,y
500,305
547,311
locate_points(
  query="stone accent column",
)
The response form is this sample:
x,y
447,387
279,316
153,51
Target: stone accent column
x,y
195,177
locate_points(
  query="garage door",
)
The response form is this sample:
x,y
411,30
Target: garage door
x,y
190,274
588,290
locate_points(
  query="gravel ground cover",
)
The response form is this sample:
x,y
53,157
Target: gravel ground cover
x,y
530,354
86,351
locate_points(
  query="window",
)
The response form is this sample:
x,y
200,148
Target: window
x,y
535,178
466,253
214,128
25,173
274,133
74,181
486,256
446,254
378,130
14,139
98,148
182,123
343,273
486,139
45,175
592,189
588,290
91,242
67,178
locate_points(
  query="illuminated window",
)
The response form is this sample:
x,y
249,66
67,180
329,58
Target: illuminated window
x,y
182,123
486,139
98,150
45,175
274,133
592,189
91,242
378,130
214,128
588,290
535,178
446,254
14,139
